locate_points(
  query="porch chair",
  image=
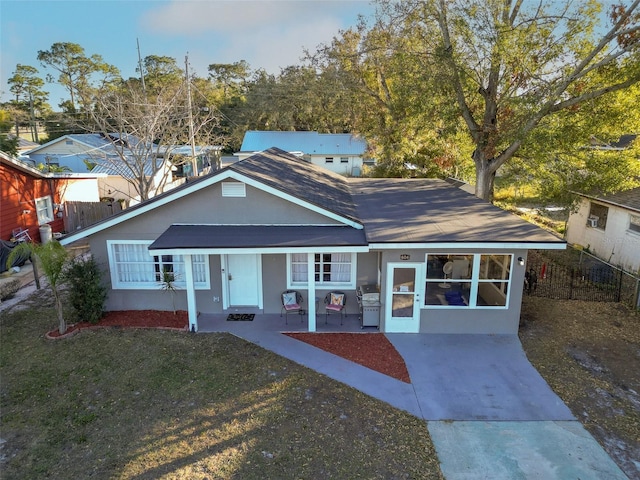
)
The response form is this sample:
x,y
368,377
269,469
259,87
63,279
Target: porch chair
x,y
19,235
291,303
334,302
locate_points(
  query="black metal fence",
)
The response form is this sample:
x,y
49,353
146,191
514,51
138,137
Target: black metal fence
x,y
574,275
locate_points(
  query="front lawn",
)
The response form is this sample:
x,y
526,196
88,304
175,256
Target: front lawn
x,y
119,403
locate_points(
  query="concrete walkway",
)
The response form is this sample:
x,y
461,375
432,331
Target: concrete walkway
x,y
27,282
489,412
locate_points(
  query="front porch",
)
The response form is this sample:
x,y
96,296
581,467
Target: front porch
x,y
209,323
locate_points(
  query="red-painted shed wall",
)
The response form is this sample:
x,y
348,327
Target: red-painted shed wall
x,y
18,191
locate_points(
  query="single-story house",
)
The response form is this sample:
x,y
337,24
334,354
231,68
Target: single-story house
x,y
623,143
342,153
609,226
96,152
443,260
118,177
78,152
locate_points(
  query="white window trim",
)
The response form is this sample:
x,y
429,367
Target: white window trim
x,y
629,229
325,285
49,206
475,281
118,285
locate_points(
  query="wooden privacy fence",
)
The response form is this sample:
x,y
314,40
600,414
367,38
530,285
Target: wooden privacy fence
x,y
591,280
82,214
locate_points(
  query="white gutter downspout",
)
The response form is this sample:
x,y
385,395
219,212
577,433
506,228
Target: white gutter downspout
x,y
191,294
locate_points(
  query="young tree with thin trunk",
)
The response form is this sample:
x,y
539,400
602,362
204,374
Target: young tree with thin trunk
x,y
52,258
29,96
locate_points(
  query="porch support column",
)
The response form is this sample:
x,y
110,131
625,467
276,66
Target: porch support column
x,y
311,291
191,294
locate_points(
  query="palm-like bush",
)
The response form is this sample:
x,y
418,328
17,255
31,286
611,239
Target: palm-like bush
x,y
52,258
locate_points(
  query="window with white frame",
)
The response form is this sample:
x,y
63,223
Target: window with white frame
x,y
330,269
44,209
328,160
132,267
468,280
344,159
634,223
493,281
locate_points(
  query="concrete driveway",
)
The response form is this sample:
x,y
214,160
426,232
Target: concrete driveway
x,y
476,377
492,416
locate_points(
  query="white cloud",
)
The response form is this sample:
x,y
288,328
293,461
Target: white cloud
x,y
267,34
192,17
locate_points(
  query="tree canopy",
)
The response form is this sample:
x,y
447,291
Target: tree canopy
x,y
464,88
495,69
76,69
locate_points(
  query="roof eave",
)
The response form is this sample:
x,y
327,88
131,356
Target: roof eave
x,y
508,246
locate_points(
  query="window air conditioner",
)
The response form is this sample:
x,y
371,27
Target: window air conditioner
x,y
592,221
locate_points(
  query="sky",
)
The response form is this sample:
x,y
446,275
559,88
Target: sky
x,y
268,34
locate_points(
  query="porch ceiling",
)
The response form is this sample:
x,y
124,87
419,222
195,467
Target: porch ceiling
x,y
257,236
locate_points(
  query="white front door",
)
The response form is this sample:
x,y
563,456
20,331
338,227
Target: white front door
x,y
243,280
402,313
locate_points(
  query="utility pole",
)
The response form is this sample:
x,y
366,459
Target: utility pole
x,y
32,119
194,160
144,88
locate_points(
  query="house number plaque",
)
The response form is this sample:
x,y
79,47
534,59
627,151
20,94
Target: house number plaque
x,y
405,256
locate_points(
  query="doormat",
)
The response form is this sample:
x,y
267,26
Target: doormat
x,y
240,317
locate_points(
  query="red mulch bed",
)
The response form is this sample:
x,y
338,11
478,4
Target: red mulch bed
x,y
130,319
372,350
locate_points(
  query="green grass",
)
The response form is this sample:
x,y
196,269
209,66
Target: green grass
x,y
159,404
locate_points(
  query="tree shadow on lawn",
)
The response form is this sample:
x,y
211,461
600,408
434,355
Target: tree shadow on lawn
x,y
143,404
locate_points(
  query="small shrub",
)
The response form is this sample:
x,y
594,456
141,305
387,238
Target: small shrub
x,y
9,288
87,294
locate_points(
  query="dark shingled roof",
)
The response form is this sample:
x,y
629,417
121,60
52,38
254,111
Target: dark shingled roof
x,y
433,211
290,174
628,199
256,236
423,211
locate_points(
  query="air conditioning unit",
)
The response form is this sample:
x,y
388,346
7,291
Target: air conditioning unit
x,y
592,221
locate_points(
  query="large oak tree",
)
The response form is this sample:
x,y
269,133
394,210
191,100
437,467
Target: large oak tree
x,y
498,68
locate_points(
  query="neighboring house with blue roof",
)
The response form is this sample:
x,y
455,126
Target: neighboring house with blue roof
x,y
98,152
609,226
341,153
73,150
